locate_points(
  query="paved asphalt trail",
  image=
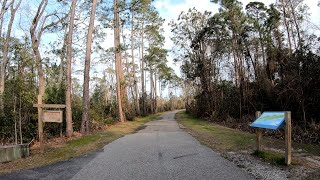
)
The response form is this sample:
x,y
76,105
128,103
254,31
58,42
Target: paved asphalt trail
x,y
159,151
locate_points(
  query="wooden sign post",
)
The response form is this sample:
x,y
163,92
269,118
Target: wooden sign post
x,y
274,120
47,116
40,127
288,137
259,133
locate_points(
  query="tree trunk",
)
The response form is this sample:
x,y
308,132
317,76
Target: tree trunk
x,y
293,36
63,56
304,115
15,120
35,41
123,86
5,52
236,61
262,49
160,90
155,91
20,120
2,12
286,25
238,68
151,91
123,83
86,99
136,99
69,128
142,72
296,24
118,59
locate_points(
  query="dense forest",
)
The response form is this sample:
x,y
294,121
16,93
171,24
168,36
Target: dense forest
x,y
251,57
103,59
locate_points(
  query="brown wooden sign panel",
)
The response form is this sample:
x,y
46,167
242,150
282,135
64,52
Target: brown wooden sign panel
x,y
52,116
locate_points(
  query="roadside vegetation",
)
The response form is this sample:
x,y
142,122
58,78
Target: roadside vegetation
x,y
251,57
224,139
61,149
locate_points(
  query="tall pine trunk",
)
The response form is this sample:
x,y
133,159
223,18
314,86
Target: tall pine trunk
x,y
118,59
69,127
151,91
86,99
142,72
135,80
123,84
155,92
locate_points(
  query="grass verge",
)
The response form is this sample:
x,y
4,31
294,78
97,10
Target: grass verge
x,y
273,157
223,139
75,147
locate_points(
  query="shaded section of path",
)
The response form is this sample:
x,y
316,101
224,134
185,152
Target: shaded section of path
x,y
160,150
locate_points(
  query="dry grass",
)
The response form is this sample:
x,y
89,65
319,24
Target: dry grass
x,y
64,150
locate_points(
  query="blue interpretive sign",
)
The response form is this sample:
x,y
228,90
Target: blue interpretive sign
x,y
270,120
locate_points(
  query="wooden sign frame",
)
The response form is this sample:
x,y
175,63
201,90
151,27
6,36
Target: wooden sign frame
x,y
40,107
288,136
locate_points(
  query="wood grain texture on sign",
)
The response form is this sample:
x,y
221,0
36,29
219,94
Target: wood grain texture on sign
x,y
52,116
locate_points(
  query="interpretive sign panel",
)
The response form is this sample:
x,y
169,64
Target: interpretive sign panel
x,y
274,120
270,120
52,116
